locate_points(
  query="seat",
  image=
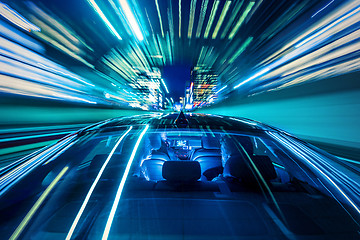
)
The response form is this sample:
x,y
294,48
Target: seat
x,y
181,171
151,169
210,147
239,167
211,166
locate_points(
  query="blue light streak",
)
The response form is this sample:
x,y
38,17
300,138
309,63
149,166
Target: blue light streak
x,y
83,206
322,8
221,89
162,80
121,186
258,74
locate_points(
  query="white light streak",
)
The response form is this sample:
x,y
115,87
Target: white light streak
x,y
131,19
121,187
83,206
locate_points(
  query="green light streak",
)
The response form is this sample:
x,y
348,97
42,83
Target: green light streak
x,y
103,17
221,19
36,206
33,136
192,15
211,18
25,147
241,49
159,15
202,17
234,13
241,20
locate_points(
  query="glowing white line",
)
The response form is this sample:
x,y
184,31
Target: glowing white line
x,y
121,187
78,216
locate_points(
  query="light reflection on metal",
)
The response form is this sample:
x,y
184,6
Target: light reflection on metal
x,y
307,159
121,186
37,204
88,195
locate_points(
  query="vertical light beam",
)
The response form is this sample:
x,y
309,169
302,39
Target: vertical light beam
x,y
202,17
121,186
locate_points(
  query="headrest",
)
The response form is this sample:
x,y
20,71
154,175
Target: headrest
x,y
181,171
230,145
155,141
210,142
159,155
238,167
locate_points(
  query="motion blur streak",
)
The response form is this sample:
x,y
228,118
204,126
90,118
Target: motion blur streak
x,y
326,50
325,173
121,187
6,180
88,195
37,204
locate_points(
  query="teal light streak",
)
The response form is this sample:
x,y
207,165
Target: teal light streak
x,y
88,195
159,15
241,20
202,17
211,18
131,19
103,17
121,186
192,16
221,19
32,136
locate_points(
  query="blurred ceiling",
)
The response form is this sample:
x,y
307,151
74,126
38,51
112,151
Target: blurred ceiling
x,y
231,46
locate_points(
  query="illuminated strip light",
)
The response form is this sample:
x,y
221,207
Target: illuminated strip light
x,y
191,19
159,15
352,13
211,18
221,89
17,19
320,171
179,18
162,80
241,20
221,19
103,17
202,17
36,206
258,74
13,176
322,8
88,195
121,187
131,19
32,136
